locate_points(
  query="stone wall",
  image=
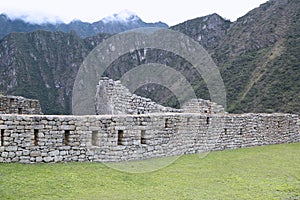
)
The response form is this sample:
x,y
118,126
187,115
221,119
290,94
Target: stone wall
x,y
39,138
114,98
19,105
202,106
139,129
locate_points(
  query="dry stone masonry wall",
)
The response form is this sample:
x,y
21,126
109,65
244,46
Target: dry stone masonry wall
x,y
202,106
114,98
133,128
19,105
102,138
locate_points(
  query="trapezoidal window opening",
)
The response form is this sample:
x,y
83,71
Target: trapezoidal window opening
x,y
19,110
225,131
207,120
36,137
95,138
66,137
167,123
11,102
241,131
2,137
120,137
143,137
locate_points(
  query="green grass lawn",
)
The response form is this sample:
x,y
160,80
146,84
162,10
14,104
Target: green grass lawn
x,y
268,172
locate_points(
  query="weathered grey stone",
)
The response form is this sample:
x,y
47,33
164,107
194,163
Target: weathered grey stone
x,y
48,159
62,153
26,152
3,126
19,105
38,159
4,154
11,148
35,153
25,159
54,153
58,158
11,154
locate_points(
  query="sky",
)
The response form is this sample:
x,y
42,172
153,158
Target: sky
x,y
169,11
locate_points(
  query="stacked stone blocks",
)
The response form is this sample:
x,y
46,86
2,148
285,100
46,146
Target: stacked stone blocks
x,y
130,127
105,138
19,105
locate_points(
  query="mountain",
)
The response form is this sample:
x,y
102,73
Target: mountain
x,y
258,57
123,21
43,65
116,23
208,30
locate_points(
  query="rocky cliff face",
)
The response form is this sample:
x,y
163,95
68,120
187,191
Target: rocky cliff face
x,y
208,30
258,56
259,60
42,65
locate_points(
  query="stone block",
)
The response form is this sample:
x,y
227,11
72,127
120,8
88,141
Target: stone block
x,y
48,159
25,152
67,127
35,154
11,148
54,153
4,154
58,158
25,159
11,154
62,153
3,126
39,159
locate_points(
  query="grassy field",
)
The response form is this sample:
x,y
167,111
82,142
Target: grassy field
x,y
268,172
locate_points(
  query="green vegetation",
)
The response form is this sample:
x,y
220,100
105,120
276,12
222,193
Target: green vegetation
x,y
268,172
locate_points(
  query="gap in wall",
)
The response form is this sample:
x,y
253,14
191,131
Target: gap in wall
x,y
95,138
120,137
67,137
2,137
143,137
36,137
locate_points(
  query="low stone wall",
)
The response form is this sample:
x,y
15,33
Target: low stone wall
x,y
103,138
19,105
202,106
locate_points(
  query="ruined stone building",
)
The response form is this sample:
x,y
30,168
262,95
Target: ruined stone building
x,y
129,127
19,105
